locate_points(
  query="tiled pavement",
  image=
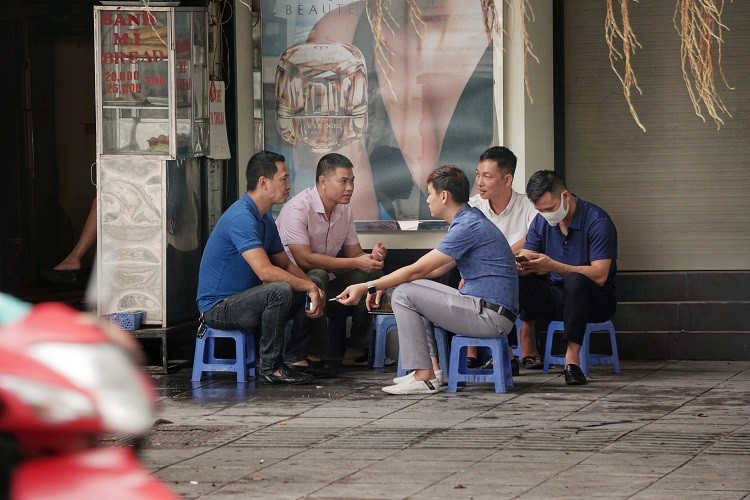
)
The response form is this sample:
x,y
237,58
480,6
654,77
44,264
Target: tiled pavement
x,y
676,429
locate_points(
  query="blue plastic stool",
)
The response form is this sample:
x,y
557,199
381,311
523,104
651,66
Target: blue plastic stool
x,y
242,364
441,339
587,358
382,324
500,374
517,348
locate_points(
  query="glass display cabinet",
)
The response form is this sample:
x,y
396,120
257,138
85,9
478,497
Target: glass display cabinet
x,y
152,132
151,80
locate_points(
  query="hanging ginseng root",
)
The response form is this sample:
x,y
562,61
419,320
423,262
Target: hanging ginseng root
x,y
700,27
698,22
612,33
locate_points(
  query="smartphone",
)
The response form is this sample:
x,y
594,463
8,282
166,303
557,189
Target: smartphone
x,y
308,303
521,258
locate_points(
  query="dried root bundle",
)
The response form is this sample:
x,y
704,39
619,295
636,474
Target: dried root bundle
x,y
613,32
380,18
700,27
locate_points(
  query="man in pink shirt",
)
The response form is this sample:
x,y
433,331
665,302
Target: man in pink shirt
x,y
318,233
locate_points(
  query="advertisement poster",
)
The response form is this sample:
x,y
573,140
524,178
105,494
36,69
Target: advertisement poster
x,y
421,99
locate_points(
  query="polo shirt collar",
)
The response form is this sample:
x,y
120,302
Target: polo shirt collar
x,y
251,206
463,210
577,222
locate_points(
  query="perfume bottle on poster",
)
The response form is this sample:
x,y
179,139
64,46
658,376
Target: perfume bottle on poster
x,y
321,95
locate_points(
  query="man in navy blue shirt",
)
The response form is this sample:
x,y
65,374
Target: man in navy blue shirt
x,y
487,304
246,279
571,249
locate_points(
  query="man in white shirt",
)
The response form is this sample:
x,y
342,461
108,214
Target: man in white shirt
x,y
510,211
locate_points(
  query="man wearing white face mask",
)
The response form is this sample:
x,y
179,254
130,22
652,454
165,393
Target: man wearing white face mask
x,y
569,274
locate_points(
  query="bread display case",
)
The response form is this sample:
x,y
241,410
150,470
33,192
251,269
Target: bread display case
x,y
151,80
152,135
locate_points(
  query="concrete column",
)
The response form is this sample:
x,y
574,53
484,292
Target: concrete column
x,y
528,128
243,79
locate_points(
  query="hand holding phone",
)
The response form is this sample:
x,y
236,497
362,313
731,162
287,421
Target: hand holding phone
x,y
521,258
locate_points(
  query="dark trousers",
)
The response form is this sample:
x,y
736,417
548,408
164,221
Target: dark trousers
x,y
266,309
329,337
576,301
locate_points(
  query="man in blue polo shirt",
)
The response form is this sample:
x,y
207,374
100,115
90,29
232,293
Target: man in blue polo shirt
x,y
487,304
569,276
246,279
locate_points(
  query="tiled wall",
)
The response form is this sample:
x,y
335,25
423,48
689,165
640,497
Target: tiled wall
x,y
684,315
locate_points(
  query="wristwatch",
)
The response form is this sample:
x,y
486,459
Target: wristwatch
x,y
371,290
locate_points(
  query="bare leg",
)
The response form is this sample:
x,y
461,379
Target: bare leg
x,y
88,237
424,374
572,354
435,364
353,353
527,339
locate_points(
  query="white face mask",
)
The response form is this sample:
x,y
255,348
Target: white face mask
x,y
558,215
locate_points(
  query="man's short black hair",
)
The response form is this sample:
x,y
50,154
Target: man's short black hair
x,y
452,179
330,162
261,164
503,156
543,181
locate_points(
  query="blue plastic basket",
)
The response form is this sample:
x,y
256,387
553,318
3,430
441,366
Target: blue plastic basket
x,y
126,320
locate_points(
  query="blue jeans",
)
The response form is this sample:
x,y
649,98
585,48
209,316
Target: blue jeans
x,y
266,309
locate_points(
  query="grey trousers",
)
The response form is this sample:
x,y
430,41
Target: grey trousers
x,y
422,304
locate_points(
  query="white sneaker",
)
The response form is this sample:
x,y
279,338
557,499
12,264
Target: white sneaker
x,y
414,387
410,376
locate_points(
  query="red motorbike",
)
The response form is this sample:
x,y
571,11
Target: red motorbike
x,y
65,383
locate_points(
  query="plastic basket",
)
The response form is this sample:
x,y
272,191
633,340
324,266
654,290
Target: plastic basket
x,y
126,320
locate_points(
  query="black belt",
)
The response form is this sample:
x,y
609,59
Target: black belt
x,y
499,309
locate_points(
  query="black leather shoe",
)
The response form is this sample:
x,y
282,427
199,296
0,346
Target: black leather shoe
x,y
287,376
317,369
574,375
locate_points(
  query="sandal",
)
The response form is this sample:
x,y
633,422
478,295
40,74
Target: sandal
x,y
317,367
532,362
472,362
362,360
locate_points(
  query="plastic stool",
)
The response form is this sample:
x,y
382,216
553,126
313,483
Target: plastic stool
x,y
382,324
441,339
517,348
242,364
587,358
501,374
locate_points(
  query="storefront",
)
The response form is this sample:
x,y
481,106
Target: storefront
x,y
677,192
